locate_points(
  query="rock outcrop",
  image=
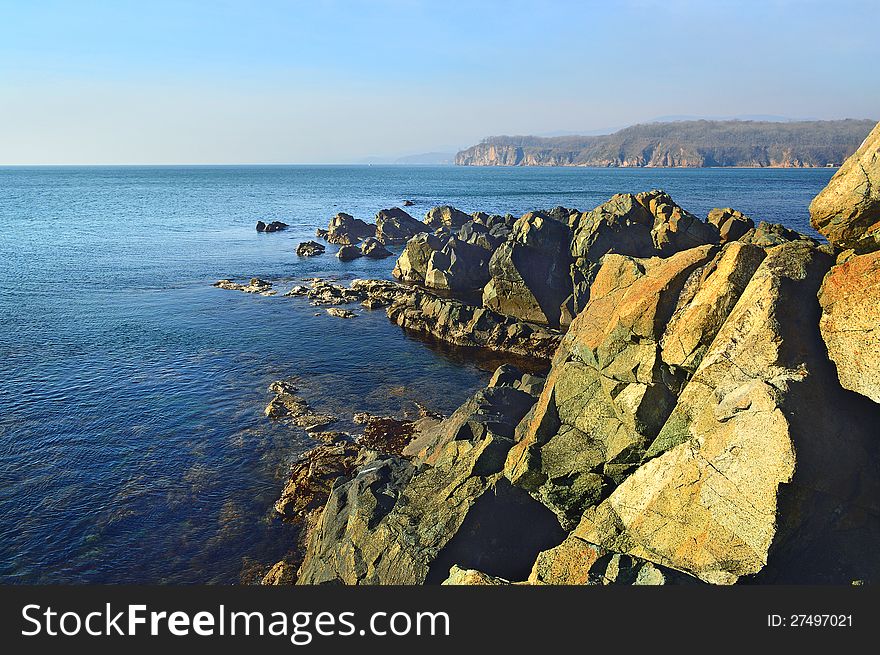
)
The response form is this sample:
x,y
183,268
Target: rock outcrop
x,y
730,223
345,230
847,211
445,216
530,272
458,266
256,285
460,324
412,265
374,249
395,226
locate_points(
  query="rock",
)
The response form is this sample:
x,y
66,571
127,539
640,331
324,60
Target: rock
x,y
346,230
311,479
323,292
768,235
479,235
274,226
282,573
850,323
847,210
507,375
256,285
638,225
529,274
765,465
290,407
397,523
349,253
310,249
457,266
340,313
461,324
385,434
607,394
459,576
372,248
731,224
394,226
408,203
412,265
445,216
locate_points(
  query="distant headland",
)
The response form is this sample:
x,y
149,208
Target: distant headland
x,y
686,144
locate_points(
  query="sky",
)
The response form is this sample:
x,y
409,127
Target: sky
x,y
325,81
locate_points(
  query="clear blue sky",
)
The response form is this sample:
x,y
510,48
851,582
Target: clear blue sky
x,y
325,81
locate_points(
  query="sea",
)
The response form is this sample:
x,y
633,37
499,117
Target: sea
x,y
133,444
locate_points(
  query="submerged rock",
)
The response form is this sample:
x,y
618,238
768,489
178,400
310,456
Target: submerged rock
x,y
847,211
340,313
310,249
274,226
256,285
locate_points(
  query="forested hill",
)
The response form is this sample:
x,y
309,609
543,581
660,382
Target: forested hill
x,y
685,144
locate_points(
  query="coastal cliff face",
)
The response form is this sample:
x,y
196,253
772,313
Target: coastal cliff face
x,y
687,144
709,416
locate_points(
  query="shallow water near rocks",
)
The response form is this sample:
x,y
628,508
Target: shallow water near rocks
x,y
133,446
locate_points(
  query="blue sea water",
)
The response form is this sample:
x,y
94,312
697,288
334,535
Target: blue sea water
x,y
133,447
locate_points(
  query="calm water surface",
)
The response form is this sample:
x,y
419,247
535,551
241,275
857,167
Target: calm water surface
x,y
133,447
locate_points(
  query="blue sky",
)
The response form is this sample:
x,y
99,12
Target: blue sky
x,y
325,81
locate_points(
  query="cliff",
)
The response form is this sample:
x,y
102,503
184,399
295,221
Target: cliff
x,y
690,144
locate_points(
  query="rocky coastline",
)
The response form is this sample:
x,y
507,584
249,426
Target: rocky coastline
x,y
710,413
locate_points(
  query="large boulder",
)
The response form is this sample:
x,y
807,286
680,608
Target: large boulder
x,y
730,223
349,253
445,216
766,465
530,273
850,324
479,234
373,248
458,266
345,230
412,265
395,226
847,211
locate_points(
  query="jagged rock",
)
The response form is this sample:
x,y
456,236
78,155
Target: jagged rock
x,y
395,226
323,292
310,249
256,285
346,230
459,576
372,248
349,253
850,323
396,523
412,265
607,394
274,226
768,235
282,573
461,324
458,266
847,211
340,313
529,274
639,225
479,235
507,375
765,465
445,216
731,224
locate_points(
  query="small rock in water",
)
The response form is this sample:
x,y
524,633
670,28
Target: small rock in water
x,y
340,313
274,226
348,253
256,285
374,249
310,249
408,203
